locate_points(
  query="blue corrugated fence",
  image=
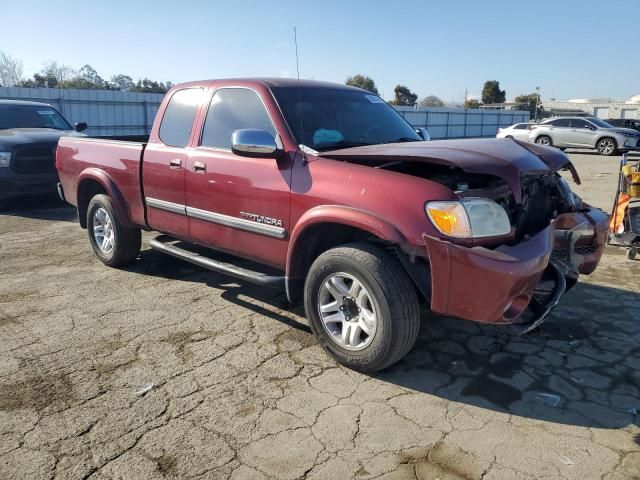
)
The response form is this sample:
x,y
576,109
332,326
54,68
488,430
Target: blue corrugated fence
x,y
110,112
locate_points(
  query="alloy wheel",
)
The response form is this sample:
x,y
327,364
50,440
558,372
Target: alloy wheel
x,y
606,146
347,311
103,230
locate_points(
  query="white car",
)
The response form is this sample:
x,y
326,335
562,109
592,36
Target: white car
x,y
519,131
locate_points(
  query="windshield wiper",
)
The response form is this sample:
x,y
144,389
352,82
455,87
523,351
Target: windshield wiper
x,y
341,144
404,139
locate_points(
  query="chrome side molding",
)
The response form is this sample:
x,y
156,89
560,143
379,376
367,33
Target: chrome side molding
x,y
218,218
167,206
239,223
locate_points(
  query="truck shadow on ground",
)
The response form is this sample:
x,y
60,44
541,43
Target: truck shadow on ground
x,y
41,207
582,367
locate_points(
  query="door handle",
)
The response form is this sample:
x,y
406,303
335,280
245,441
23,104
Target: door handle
x,y
199,167
175,163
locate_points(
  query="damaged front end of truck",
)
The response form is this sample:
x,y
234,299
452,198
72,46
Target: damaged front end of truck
x,y
517,276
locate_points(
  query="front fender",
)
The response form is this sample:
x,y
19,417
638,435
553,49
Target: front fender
x,y
100,176
338,214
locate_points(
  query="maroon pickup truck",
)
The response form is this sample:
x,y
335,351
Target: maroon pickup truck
x,y
325,191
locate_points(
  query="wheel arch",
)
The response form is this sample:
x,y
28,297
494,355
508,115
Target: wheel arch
x,y
544,134
92,182
607,136
326,227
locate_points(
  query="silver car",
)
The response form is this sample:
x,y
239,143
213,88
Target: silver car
x,y
585,132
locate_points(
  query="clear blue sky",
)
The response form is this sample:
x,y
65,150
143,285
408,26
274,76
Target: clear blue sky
x,y
570,48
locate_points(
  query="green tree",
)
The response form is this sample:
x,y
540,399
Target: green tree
x,y
404,96
471,103
122,82
491,92
527,102
363,82
150,86
88,79
431,101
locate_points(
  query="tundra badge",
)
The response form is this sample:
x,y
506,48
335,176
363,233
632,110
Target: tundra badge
x,y
262,219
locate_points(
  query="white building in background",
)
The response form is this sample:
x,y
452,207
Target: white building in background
x,y
598,107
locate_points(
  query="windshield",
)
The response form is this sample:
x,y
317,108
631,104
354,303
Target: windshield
x,y
31,116
600,123
326,119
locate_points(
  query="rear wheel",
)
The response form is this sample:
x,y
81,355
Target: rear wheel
x,y
544,140
113,243
362,306
607,146
631,253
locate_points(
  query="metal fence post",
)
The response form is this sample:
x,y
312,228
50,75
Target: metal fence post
x,y
446,135
466,121
146,117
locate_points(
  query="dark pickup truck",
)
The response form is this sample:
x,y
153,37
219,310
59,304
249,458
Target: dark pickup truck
x,y
334,197
29,133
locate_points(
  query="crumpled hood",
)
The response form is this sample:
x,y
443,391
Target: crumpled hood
x,y
502,157
13,137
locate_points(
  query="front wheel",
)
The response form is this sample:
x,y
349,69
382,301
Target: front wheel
x,y
362,307
113,243
607,146
544,140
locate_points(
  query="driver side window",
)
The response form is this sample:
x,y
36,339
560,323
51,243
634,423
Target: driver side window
x,y
579,123
233,109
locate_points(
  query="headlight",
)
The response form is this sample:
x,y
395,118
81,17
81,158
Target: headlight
x,y
632,135
5,159
469,218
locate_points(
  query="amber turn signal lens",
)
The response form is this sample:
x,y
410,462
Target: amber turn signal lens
x,y
444,220
450,218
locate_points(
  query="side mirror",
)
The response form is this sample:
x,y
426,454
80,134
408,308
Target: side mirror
x,y
251,142
424,134
81,126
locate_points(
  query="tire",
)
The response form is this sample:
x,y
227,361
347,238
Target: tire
x,y
607,146
544,140
509,136
631,253
388,294
102,222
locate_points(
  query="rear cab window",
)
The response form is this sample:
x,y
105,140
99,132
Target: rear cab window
x,y
233,108
179,116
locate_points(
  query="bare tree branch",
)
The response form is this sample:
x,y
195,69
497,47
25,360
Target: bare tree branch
x,y
10,70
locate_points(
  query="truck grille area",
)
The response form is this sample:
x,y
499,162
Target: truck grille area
x,y
34,159
563,252
543,199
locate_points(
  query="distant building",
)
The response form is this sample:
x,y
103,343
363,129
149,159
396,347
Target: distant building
x,y
597,107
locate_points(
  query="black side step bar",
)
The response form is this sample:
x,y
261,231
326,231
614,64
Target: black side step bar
x,y
164,244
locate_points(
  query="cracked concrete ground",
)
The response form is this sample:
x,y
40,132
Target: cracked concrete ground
x,y
242,391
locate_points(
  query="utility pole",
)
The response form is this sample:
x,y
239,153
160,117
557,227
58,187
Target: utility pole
x,y
537,103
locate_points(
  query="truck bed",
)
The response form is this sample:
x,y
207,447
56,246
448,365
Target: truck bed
x,y
117,163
